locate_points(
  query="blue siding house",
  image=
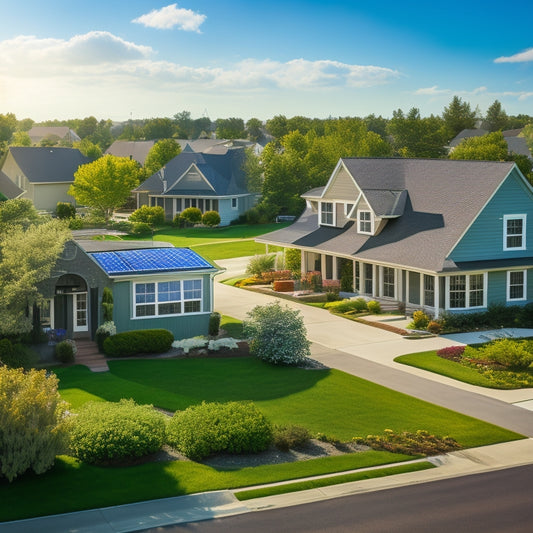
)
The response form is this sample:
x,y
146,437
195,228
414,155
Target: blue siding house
x,y
153,287
438,235
208,181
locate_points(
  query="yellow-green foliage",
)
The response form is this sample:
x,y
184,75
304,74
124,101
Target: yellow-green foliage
x,y
506,352
31,427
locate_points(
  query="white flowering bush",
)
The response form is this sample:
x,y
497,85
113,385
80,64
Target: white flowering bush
x,y
107,329
228,342
277,334
190,344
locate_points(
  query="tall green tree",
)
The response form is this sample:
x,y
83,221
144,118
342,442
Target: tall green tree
x,y
8,125
21,138
230,128
490,147
277,126
254,129
105,184
496,118
253,171
158,128
160,154
88,148
458,116
87,127
184,125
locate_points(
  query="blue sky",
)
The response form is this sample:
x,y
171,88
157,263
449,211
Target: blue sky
x,y
140,59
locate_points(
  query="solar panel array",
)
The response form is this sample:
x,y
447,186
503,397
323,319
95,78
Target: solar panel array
x,y
150,260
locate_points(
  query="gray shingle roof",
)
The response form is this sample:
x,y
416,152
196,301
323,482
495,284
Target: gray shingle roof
x,y
443,197
48,164
8,188
223,171
137,150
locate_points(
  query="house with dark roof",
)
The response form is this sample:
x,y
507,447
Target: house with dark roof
x,y
43,174
208,181
137,150
153,287
439,235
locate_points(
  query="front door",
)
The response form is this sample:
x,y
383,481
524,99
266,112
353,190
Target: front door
x,y
79,301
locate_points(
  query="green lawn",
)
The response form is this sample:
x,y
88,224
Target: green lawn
x,y
326,401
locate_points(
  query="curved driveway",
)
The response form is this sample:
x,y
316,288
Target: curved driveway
x,y
368,352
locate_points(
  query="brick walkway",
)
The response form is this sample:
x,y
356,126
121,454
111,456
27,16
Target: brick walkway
x,y
89,356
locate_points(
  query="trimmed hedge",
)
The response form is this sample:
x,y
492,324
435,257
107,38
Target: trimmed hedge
x,y
209,428
106,432
138,341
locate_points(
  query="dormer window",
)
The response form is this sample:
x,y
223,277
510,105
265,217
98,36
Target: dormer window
x,y
364,222
327,213
514,232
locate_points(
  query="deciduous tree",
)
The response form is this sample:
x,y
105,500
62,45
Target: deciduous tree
x,y
160,154
490,147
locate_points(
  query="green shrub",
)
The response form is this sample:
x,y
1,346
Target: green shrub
x,y
374,307
153,215
66,351
192,215
105,330
434,327
211,219
277,334
16,355
107,304
513,354
347,306
209,428
141,228
214,324
286,438
420,320
121,225
260,263
293,260
420,443
138,341
106,433
75,223
65,210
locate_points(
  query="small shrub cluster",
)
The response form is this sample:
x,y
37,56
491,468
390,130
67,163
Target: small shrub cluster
x,y
193,343
228,343
420,320
75,223
286,438
293,260
214,324
358,305
106,432
249,281
312,280
452,353
276,275
152,215
65,210
138,341
105,330
16,355
374,307
509,353
209,428
190,216
120,225
65,351
434,327
211,219
141,228
259,264
285,285
420,443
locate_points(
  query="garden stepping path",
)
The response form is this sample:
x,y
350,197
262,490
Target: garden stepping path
x,y
89,356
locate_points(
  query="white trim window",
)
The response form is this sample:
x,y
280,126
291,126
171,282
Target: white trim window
x,y
165,298
466,291
327,213
235,203
514,232
389,282
365,222
516,285
348,210
429,290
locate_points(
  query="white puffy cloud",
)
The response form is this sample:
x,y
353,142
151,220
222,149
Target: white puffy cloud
x,y
521,57
172,16
432,91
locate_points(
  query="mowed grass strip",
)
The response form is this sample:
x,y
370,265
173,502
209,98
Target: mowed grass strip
x,y
431,362
74,486
333,480
324,401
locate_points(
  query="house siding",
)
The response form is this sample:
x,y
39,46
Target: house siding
x,y
182,326
484,239
342,187
46,197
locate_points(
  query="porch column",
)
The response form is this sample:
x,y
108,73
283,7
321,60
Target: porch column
x,y
323,267
398,284
437,295
354,277
374,280
303,262
334,274
407,289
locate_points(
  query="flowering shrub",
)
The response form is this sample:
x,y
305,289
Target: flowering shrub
x,y
277,334
420,443
190,344
434,327
227,342
209,428
248,281
312,280
333,285
453,353
107,329
285,285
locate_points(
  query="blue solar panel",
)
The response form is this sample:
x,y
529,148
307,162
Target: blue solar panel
x,y
150,260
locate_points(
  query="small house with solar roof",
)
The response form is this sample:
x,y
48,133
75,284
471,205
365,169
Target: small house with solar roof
x,y
155,286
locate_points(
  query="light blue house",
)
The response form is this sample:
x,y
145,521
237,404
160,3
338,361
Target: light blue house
x,y
440,235
208,181
153,287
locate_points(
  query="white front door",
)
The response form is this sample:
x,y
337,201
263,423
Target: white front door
x,y
79,301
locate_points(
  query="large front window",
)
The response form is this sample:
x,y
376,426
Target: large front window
x,y
326,213
466,291
516,285
429,291
388,282
514,232
168,298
